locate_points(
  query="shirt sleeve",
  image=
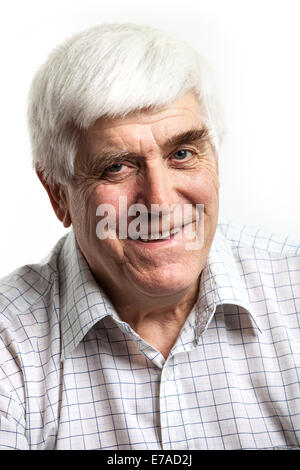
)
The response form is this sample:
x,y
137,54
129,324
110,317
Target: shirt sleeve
x,y
12,424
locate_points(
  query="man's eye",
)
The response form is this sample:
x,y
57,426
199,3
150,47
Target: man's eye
x,y
116,168
118,171
182,154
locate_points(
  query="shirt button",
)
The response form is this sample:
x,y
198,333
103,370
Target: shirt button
x,y
168,373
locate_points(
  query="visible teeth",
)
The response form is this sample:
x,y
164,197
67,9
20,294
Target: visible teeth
x,y
158,236
175,230
161,236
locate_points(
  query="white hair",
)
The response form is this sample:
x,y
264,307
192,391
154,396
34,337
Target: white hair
x,y
109,71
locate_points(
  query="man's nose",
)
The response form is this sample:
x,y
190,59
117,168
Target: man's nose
x,y
157,186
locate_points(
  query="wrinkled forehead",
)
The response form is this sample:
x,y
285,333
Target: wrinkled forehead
x,y
146,126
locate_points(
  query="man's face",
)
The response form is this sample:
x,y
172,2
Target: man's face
x,y
141,157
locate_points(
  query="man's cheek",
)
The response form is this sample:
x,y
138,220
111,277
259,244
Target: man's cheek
x,y
205,189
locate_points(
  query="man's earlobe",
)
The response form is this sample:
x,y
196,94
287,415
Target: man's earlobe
x,y
57,196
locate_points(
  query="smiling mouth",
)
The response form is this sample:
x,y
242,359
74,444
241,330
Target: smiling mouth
x,y
159,236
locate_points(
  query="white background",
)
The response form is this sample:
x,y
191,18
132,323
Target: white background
x,y
253,46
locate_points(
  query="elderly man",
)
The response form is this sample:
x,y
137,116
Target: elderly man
x,y
180,337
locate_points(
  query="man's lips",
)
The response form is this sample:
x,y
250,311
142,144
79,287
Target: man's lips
x,y
160,236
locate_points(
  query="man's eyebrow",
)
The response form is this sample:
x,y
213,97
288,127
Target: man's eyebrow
x,y
188,137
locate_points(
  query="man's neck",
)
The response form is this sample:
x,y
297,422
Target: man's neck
x,y
157,320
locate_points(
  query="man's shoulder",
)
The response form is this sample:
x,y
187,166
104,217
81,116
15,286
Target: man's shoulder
x,y
272,244
265,266
28,285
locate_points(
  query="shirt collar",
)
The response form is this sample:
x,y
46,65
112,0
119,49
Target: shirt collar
x,y
222,283
83,303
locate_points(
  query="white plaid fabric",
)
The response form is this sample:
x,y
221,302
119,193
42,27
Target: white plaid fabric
x,y
73,376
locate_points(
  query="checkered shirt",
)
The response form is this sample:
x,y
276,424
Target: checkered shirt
x,y
74,376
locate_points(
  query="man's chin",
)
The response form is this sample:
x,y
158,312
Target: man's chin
x,y
164,283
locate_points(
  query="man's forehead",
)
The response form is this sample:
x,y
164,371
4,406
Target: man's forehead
x,y
180,137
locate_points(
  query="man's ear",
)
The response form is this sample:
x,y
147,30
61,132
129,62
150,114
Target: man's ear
x,y
57,196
